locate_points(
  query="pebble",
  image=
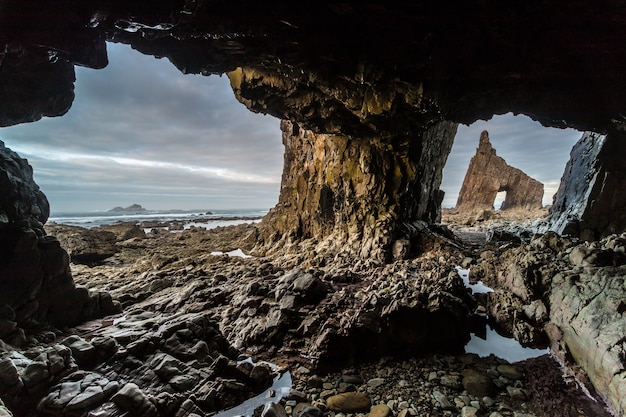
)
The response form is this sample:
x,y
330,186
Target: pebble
x,y
349,402
375,382
381,410
469,411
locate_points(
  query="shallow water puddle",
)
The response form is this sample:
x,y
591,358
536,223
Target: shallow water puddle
x,y
478,288
492,343
237,253
279,389
502,347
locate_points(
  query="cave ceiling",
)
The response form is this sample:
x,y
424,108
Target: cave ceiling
x,y
372,68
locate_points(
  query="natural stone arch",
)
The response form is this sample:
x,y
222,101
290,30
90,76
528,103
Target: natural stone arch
x,y
489,174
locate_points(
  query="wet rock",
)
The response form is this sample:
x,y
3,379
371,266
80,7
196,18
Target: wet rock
x,y
272,409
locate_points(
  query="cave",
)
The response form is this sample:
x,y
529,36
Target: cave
x,y
370,97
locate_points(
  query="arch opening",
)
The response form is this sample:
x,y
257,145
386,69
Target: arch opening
x,y
500,199
518,154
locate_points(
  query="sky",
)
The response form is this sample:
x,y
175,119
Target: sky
x,y
139,131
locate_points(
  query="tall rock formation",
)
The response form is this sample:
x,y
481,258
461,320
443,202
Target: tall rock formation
x,y
489,174
35,279
589,203
359,196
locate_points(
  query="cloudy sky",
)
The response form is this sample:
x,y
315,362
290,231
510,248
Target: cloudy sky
x,y
141,132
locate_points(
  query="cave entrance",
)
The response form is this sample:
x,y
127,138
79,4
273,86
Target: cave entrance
x,y
500,199
141,132
539,152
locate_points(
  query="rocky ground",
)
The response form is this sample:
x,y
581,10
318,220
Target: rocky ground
x,y
189,316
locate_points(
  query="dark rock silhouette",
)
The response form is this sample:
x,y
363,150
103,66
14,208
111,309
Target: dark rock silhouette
x,y
133,208
489,174
588,204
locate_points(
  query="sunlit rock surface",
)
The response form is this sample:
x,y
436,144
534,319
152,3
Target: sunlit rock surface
x,y
489,174
359,196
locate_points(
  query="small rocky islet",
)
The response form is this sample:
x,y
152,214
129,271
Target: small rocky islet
x,y
186,320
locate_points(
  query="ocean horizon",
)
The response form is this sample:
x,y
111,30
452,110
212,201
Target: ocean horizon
x,y
91,219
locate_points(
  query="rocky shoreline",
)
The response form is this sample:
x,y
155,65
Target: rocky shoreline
x,y
188,316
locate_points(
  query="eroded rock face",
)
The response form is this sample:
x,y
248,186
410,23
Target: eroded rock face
x,y
36,284
489,174
359,196
588,204
571,293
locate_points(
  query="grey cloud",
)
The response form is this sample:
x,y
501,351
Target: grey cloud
x,y
145,109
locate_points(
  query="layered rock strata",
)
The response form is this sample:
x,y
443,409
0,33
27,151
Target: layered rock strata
x,y
587,203
357,196
489,174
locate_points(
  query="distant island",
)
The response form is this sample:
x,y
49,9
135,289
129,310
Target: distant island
x,y
134,208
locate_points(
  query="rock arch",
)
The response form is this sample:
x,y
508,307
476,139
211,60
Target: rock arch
x,y
489,174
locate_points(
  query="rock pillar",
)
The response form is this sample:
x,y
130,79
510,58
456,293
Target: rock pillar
x,y
590,202
359,196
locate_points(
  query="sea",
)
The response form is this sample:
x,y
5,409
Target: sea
x,y
204,218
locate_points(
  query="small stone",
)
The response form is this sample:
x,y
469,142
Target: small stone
x,y
273,410
349,402
324,395
510,372
406,412
306,410
345,387
443,401
403,405
516,393
381,410
375,382
495,414
450,381
469,411
327,385
352,379
488,401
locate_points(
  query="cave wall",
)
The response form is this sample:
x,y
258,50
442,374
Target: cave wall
x,y
590,202
489,174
